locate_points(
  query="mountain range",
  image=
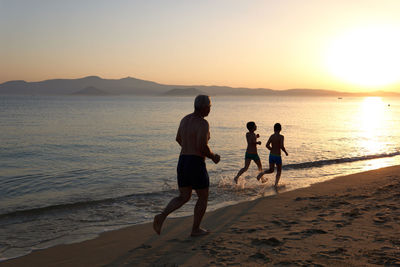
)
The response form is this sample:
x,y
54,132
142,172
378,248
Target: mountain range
x,y
94,85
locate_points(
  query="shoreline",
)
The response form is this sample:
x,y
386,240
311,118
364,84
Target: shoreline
x,y
350,220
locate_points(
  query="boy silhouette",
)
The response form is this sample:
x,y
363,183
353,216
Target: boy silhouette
x,y
251,151
275,144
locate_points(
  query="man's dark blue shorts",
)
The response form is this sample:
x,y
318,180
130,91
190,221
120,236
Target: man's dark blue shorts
x,y
192,172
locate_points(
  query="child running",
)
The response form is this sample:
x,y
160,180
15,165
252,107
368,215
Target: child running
x,y
275,144
251,151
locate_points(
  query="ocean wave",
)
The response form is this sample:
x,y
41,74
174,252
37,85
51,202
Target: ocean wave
x,y
321,163
85,203
170,190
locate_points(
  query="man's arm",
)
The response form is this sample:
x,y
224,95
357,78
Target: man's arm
x,y
202,142
178,135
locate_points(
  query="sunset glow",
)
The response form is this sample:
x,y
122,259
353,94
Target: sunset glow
x,y
141,118
367,56
338,45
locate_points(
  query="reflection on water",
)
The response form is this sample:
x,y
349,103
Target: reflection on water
x,y
373,120
372,111
375,126
378,163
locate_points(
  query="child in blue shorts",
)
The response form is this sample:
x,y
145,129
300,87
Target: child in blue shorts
x,y
275,144
251,151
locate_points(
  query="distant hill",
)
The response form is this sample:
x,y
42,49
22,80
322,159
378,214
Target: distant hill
x,y
90,91
69,86
133,86
184,92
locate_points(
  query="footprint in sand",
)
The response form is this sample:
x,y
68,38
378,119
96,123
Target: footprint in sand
x,y
337,203
260,256
359,197
143,246
306,233
272,242
344,238
380,219
237,230
353,213
336,254
381,257
310,232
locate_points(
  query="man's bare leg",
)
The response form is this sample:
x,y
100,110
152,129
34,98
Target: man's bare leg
x,y
242,170
199,210
184,195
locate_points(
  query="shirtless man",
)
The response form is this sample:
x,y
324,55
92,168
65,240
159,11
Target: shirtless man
x,y
275,144
193,135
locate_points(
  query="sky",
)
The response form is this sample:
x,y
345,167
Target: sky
x,y
344,45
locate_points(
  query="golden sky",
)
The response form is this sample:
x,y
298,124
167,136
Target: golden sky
x,y
345,45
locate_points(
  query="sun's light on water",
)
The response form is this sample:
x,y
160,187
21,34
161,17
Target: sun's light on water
x,y
372,112
366,56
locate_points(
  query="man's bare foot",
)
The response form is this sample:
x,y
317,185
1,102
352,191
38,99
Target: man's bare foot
x,y
200,232
264,180
158,222
236,179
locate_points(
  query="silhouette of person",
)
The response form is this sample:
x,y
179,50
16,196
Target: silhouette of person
x,y
251,151
275,144
193,135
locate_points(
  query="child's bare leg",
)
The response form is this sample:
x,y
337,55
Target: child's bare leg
x,y
259,165
278,174
270,170
242,170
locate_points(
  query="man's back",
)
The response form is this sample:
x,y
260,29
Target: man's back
x,y
193,135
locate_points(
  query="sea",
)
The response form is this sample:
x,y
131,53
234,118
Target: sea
x,y
72,167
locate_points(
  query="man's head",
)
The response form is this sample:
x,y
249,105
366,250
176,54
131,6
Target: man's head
x,y
277,127
202,104
251,126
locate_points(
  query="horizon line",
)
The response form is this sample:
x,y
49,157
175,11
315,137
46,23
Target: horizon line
x,y
192,85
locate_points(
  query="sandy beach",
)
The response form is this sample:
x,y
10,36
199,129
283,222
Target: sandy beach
x,y
348,221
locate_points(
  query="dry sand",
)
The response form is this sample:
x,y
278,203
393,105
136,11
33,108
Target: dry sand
x,y
349,221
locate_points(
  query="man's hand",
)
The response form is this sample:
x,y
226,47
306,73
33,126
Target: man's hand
x,y
286,153
259,142
258,136
216,158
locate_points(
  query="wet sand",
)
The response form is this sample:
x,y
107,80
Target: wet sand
x,y
348,221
